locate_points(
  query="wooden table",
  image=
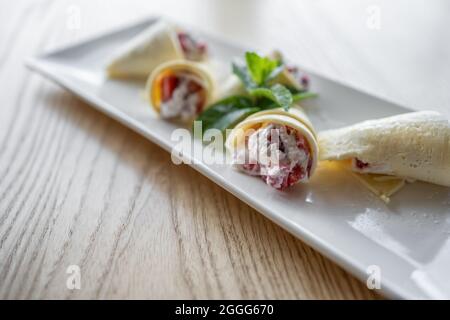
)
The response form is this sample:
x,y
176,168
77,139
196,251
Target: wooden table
x,y
76,188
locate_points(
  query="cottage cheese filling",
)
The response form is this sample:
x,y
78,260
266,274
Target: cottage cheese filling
x,y
276,153
186,99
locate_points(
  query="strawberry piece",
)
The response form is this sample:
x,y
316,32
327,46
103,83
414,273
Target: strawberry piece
x,y
295,175
201,47
251,167
183,39
193,87
361,164
189,45
168,85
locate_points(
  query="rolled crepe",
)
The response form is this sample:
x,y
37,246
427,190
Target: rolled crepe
x,y
180,89
277,145
159,43
412,146
295,112
286,77
233,85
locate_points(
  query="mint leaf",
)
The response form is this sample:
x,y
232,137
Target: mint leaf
x,y
242,73
262,93
303,95
266,104
275,72
283,96
260,68
231,119
223,114
277,93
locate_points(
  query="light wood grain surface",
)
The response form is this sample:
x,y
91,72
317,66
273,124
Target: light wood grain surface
x,y
76,188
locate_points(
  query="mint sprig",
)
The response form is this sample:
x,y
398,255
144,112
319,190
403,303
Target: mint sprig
x,y
255,76
225,114
260,68
241,71
278,93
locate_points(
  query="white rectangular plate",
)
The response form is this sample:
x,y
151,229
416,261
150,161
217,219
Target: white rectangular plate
x,y
408,240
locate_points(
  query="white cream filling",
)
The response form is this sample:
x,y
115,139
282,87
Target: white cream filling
x,y
270,160
183,104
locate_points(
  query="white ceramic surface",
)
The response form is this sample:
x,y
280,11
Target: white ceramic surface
x,y
409,239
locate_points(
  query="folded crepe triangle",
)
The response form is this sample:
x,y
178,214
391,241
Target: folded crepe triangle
x,y
142,54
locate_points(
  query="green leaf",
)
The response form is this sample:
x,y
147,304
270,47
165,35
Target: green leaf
x,y
257,76
275,72
266,104
262,93
283,96
231,119
303,95
277,93
260,68
212,116
242,73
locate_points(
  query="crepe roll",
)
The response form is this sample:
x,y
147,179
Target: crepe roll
x,y
278,146
159,43
180,89
411,146
290,76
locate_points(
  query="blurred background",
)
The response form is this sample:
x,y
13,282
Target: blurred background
x,y
399,50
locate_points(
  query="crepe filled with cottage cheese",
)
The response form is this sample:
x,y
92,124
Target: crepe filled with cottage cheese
x,y
180,89
159,43
278,146
411,146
